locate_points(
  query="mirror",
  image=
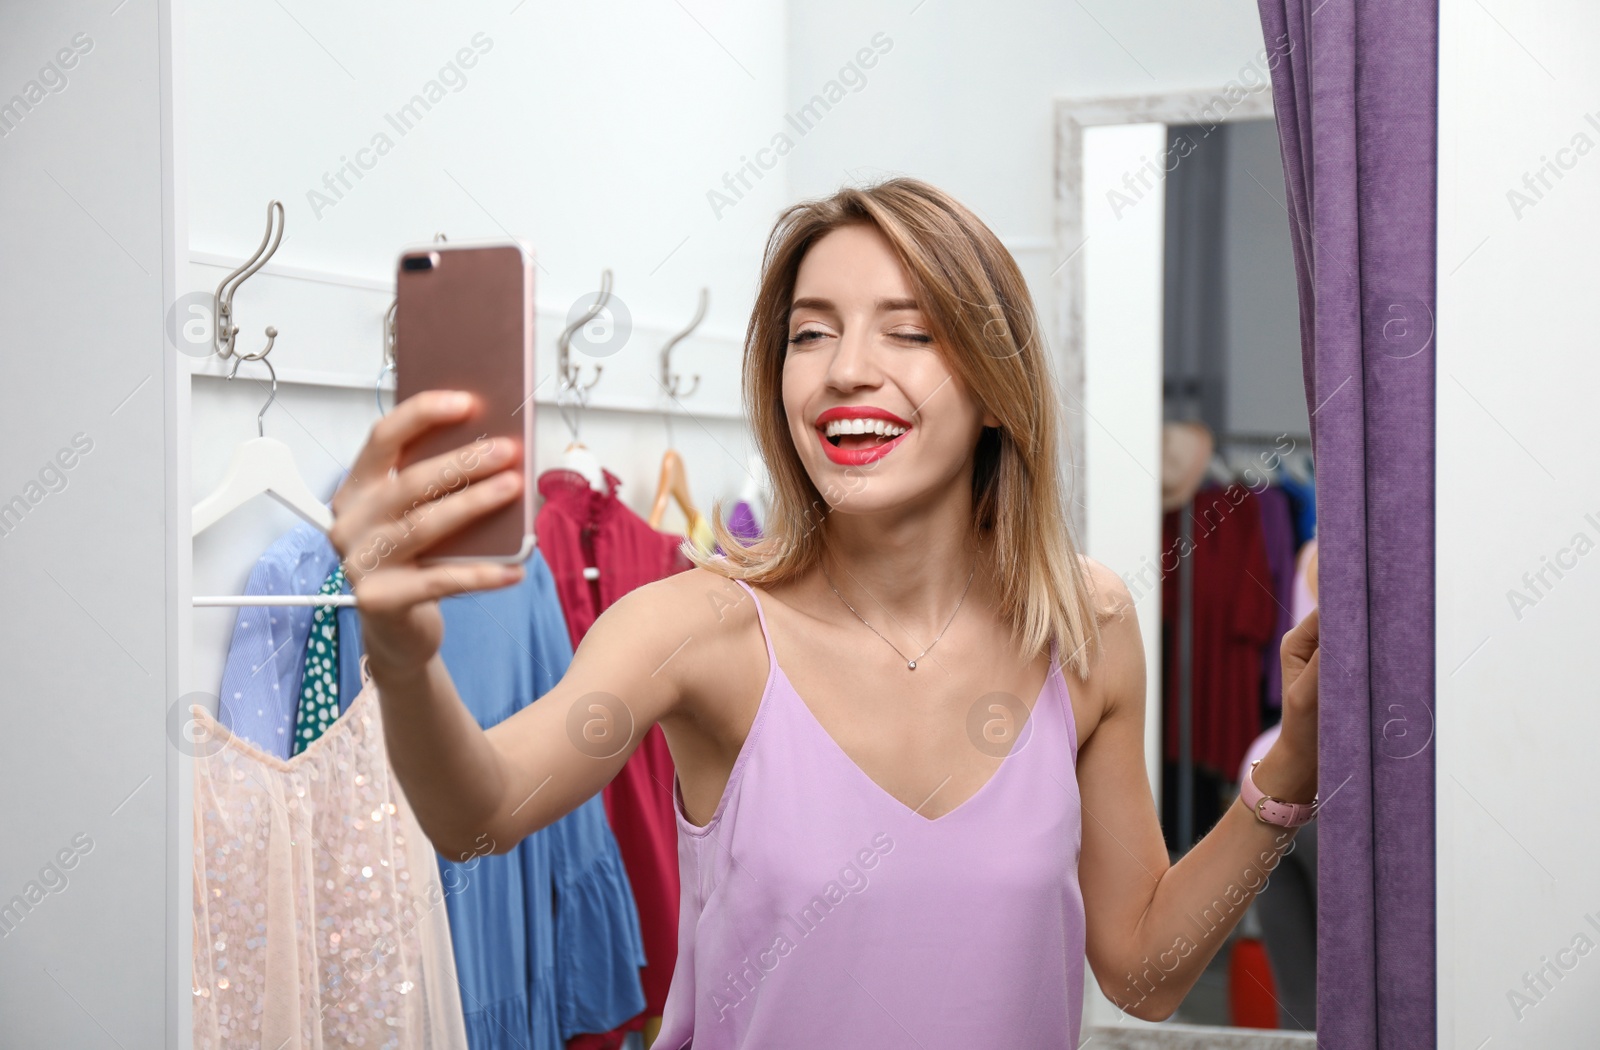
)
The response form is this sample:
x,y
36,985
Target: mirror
x,y
1181,309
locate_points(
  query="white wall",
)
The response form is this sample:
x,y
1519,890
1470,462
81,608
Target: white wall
x,y
91,922
1122,257
1518,491
1261,322
597,133
964,99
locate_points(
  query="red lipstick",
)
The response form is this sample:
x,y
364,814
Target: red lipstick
x,y
855,457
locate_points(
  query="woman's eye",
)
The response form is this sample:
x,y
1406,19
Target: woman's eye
x,y
810,335
914,337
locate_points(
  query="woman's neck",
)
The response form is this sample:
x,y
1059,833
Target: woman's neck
x,y
908,573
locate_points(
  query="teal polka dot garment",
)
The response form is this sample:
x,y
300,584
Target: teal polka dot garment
x,y
319,681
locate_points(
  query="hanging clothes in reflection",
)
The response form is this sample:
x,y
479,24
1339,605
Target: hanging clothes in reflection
x,y
1302,495
261,679
319,675
1277,532
581,529
547,936
742,523
1234,617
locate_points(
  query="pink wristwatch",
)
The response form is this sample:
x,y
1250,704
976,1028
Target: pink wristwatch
x,y
1271,810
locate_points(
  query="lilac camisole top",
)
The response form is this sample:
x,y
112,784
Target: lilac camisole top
x,y
818,910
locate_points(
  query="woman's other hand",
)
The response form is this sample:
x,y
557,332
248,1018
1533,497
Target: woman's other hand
x,y
1289,769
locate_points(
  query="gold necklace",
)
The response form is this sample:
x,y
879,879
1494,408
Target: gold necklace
x,y
911,664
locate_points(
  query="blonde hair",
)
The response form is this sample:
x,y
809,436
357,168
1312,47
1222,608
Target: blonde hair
x,y
977,302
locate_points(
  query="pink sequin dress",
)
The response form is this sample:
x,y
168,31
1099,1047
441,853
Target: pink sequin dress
x,y
319,917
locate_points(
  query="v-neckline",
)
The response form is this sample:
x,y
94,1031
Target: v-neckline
x,y
966,803
241,745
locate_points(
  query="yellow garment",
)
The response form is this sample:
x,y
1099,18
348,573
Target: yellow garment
x,y
701,536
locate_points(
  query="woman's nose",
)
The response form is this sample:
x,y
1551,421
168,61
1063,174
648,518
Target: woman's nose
x,y
854,363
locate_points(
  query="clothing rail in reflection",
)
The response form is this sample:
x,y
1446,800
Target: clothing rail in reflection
x,y
273,599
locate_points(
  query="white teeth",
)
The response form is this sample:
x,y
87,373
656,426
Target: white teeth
x,y
860,425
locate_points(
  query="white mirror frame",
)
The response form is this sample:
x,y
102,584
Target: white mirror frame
x,y
1231,102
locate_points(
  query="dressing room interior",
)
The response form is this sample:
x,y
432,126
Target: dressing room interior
x,y
1311,283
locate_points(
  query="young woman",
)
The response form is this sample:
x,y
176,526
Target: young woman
x,y
908,723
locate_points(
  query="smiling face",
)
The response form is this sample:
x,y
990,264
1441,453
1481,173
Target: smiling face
x,y
877,416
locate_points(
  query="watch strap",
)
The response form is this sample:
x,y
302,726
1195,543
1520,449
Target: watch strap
x,y
1270,810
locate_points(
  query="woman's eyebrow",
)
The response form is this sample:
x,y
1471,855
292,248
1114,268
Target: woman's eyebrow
x,y
890,305
812,302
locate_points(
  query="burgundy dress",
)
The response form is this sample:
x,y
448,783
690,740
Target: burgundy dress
x,y
578,527
1235,613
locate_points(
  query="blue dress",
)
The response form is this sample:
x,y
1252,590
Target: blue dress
x,y
1302,506
261,680
547,940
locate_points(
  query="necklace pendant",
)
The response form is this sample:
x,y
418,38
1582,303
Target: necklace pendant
x,y
911,665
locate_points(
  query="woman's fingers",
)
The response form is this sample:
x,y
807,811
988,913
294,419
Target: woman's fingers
x,y
383,594
1302,640
435,476
409,493
406,422
397,540
377,510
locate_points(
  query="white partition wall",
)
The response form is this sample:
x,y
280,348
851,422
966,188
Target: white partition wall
x,y
1122,252
1518,524
90,925
1122,268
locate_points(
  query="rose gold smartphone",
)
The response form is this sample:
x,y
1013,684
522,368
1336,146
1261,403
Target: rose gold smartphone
x,y
465,322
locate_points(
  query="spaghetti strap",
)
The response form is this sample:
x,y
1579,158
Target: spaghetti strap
x,y
766,635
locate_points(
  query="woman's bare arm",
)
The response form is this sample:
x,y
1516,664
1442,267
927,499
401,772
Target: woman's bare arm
x,y
476,791
1153,926
473,791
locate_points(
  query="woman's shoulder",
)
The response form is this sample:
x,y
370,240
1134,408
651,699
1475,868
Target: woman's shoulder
x,y
1118,668
702,631
1108,591
697,604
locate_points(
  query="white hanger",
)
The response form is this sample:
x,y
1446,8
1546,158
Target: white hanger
x,y
579,458
260,466
264,466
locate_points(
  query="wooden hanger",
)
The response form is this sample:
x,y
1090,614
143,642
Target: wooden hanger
x,y
674,483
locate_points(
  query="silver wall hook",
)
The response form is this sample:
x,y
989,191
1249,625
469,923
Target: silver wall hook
x,y
390,355
272,395
566,374
669,381
224,333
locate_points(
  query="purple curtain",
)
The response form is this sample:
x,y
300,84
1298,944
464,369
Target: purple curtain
x,y
1355,97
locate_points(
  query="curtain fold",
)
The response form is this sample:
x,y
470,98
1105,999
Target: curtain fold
x,y
1355,94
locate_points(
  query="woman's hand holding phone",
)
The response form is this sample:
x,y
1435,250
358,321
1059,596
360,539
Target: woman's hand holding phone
x,y
384,515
